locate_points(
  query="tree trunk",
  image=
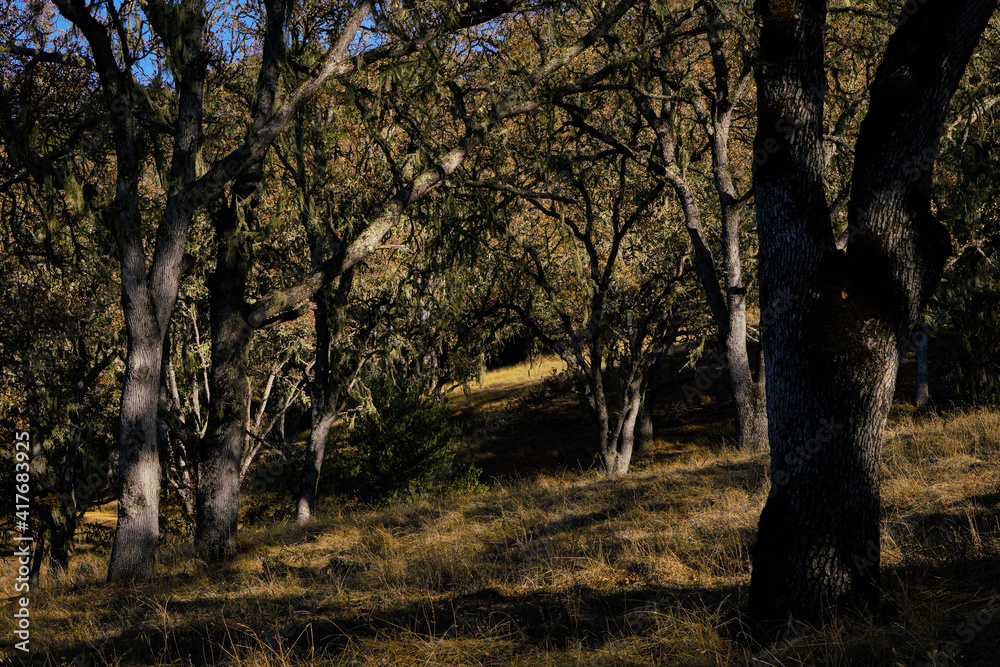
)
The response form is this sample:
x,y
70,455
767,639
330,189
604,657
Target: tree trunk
x,y
146,308
312,466
148,296
322,409
627,432
747,387
617,444
64,518
138,529
728,309
923,395
831,347
220,452
328,377
644,428
613,456
598,408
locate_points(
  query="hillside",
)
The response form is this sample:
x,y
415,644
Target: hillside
x,y
556,565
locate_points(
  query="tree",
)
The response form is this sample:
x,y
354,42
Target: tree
x,y
840,315
220,452
60,332
150,283
714,106
688,84
595,297
482,105
234,319
149,286
60,340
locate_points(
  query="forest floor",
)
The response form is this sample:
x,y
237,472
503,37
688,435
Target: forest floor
x,y
556,564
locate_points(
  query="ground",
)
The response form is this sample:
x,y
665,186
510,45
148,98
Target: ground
x,y
555,564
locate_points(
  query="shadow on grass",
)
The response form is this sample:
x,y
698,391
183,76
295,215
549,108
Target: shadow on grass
x,y
577,616
537,439
958,599
143,641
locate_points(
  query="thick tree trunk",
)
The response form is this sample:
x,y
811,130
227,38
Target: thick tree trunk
x,y
138,530
831,348
147,296
220,452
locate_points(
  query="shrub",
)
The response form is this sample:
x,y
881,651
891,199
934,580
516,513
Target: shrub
x,y
408,449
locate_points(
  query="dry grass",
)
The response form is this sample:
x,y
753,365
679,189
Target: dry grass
x,y
559,569
498,384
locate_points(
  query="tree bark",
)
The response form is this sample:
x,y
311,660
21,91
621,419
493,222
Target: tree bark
x,y
831,345
220,452
138,531
627,428
921,341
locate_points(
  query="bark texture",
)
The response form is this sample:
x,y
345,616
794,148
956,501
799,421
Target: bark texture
x,y
831,345
220,452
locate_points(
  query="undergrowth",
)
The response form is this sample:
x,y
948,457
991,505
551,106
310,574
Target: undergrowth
x,y
560,569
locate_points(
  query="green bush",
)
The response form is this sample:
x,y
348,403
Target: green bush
x,y
408,449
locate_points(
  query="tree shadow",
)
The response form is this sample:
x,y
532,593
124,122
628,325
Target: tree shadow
x,y
575,616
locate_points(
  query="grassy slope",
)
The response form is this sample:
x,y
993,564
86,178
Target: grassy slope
x,y
553,568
